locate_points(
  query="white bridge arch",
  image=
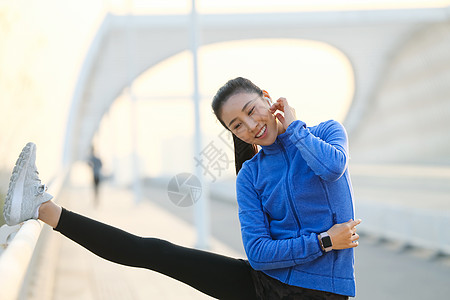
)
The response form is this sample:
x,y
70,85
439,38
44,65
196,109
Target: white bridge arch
x,y
370,39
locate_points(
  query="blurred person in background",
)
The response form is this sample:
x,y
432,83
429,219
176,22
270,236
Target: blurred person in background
x,y
96,165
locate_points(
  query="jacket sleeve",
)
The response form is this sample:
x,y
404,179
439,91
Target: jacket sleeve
x,y
325,151
263,252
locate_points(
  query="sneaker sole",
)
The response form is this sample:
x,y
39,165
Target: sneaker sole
x,y
13,201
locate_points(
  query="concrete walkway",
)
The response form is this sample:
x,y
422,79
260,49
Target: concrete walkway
x,y
81,275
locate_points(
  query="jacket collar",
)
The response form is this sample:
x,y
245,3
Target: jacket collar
x,y
282,142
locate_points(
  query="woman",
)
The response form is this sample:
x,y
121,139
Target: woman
x,y
295,187
218,276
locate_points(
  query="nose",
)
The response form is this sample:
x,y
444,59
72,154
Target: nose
x,y
252,124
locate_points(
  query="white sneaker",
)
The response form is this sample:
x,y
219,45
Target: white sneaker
x,y
25,192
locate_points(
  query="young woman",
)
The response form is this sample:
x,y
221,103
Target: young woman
x,y
296,187
290,232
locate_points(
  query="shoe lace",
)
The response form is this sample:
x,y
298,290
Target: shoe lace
x,y
41,189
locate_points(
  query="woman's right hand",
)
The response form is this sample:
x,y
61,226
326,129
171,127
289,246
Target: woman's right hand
x,y
344,235
288,115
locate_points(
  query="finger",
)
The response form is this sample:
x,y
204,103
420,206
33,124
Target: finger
x,y
275,104
282,100
285,104
354,237
354,244
273,110
282,103
274,107
348,224
355,222
280,117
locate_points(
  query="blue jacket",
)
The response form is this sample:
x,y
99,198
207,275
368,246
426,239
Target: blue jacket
x,y
290,192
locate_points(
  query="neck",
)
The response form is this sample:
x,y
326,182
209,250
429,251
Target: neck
x,y
280,128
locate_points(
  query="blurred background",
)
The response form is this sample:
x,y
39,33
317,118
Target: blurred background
x,y
132,83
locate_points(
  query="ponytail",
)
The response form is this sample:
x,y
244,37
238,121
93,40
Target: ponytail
x,y
242,151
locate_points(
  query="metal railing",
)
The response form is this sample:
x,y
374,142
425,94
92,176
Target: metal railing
x,y
405,203
18,244
422,221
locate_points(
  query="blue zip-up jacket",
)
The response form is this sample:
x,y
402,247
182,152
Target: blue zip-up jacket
x,y
290,192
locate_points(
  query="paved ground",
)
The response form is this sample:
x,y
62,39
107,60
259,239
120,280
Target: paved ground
x,y
82,276
384,270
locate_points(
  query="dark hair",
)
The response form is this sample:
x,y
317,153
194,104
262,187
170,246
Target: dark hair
x,y
242,150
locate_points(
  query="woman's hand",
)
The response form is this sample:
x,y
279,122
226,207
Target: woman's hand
x,y
288,115
344,235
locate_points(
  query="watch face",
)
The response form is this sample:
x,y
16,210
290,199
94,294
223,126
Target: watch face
x,y
326,241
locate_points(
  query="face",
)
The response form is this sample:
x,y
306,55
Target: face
x,y
247,115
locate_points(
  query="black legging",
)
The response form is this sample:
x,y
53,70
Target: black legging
x,y
215,275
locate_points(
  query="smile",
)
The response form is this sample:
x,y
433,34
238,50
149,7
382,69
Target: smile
x,y
262,132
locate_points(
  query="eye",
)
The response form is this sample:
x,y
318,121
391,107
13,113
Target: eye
x,y
251,111
237,126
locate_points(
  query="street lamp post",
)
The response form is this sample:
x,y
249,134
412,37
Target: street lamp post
x,y
201,214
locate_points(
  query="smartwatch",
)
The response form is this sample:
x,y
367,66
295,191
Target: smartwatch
x,y
325,242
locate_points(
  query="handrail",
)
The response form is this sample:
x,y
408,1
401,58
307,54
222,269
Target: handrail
x,y
15,259
402,221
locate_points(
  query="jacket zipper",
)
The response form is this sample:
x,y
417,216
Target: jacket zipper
x,y
291,203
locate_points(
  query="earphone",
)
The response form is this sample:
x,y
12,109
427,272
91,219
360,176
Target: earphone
x,y
267,97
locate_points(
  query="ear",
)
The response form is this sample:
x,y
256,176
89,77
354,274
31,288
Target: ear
x,y
267,97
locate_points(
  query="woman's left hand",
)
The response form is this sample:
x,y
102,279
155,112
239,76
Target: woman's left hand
x,y
288,115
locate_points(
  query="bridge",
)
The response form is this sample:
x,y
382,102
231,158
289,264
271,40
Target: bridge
x,y
396,124
379,42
